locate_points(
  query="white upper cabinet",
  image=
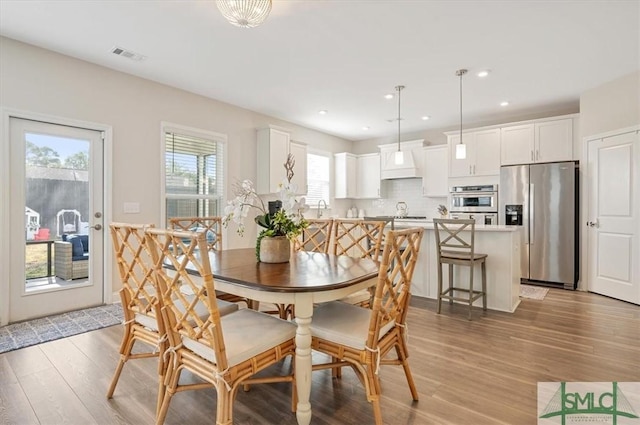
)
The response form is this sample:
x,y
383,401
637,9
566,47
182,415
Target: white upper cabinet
x,y
345,175
542,141
274,146
357,176
435,171
368,176
483,153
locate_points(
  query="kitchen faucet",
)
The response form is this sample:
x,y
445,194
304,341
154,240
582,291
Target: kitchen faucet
x,y
319,210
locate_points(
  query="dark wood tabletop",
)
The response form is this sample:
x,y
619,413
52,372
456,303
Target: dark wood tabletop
x,y
305,272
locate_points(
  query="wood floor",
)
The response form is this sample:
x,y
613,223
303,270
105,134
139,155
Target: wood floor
x,y
479,372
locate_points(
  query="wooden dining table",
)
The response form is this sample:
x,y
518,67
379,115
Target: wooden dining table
x,y
308,278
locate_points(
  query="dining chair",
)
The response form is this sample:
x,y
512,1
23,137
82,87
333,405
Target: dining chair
x,y
362,239
314,238
140,303
212,227
362,337
455,245
223,351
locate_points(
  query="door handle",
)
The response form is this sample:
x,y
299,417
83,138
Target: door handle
x,y
593,224
96,227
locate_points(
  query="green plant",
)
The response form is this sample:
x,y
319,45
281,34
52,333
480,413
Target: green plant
x,y
287,221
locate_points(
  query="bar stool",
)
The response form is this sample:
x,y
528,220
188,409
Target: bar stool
x,y
455,246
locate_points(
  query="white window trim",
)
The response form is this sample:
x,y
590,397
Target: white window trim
x,y
168,127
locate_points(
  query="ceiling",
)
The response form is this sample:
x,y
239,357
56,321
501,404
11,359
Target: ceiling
x,y
343,56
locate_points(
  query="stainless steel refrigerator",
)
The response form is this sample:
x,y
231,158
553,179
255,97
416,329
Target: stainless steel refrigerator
x,y
543,199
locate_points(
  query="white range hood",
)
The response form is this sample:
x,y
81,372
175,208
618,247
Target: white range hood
x,y
409,169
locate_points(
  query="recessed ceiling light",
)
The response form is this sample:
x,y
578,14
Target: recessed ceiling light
x,y
323,112
388,96
426,117
505,103
365,128
483,73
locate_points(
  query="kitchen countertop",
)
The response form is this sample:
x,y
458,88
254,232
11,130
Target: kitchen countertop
x,y
428,225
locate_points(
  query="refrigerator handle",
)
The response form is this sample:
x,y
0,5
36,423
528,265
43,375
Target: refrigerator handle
x,y
532,208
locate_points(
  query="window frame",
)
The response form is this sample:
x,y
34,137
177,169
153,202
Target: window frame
x,y
167,127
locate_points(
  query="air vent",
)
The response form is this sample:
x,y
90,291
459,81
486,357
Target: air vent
x,y
127,54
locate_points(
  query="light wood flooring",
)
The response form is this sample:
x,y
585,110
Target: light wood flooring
x,y
479,372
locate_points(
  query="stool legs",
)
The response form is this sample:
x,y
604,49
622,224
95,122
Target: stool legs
x,y
484,286
471,288
439,287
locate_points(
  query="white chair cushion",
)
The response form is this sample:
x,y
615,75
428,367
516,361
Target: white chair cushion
x,y
225,308
344,324
357,297
246,334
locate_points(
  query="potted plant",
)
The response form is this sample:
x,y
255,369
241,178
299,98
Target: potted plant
x,y
280,225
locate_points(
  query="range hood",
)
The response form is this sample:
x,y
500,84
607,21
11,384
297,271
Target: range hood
x,y
412,166
408,170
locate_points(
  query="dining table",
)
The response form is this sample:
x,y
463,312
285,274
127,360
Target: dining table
x,y
306,279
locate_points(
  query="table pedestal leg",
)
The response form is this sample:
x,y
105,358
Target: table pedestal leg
x,y
304,311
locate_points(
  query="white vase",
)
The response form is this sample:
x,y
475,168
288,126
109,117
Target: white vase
x,y
275,249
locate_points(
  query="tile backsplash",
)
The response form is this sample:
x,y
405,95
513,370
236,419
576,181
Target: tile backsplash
x,y
405,190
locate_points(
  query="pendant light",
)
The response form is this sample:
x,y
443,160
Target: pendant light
x,y
399,158
461,148
245,13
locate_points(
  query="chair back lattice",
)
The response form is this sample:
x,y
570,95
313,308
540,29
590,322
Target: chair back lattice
x,y
358,238
392,292
315,237
211,226
135,268
176,255
454,236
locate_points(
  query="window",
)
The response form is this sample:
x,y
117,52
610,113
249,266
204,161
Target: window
x,y
194,178
318,180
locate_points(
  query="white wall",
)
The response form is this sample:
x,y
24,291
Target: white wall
x,y
41,81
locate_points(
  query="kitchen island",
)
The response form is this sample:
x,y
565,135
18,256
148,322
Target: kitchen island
x,y
502,246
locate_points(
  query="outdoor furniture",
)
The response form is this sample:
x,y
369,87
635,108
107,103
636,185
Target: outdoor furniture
x,y
225,352
361,337
71,257
455,246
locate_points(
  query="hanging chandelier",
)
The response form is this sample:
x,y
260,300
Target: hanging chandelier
x,y
245,13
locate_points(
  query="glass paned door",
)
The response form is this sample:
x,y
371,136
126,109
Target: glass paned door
x,y
56,196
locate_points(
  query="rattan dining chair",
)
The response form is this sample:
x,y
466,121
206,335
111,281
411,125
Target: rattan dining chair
x,y
455,245
225,352
315,237
362,239
140,303
212,228
361,337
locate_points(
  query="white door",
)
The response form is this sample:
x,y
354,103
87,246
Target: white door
x,y
56,191
613,218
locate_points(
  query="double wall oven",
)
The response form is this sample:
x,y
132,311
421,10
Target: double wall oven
x,y
477,202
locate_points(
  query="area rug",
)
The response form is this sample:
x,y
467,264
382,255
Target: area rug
x,y
533,292
25,334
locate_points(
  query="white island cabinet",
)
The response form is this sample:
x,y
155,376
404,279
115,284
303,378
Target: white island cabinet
x,y
502,246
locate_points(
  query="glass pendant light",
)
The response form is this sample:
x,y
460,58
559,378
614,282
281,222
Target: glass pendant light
x,y
399,157
461,148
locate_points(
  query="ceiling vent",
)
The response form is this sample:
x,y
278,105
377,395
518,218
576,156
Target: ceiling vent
x,y
127,54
